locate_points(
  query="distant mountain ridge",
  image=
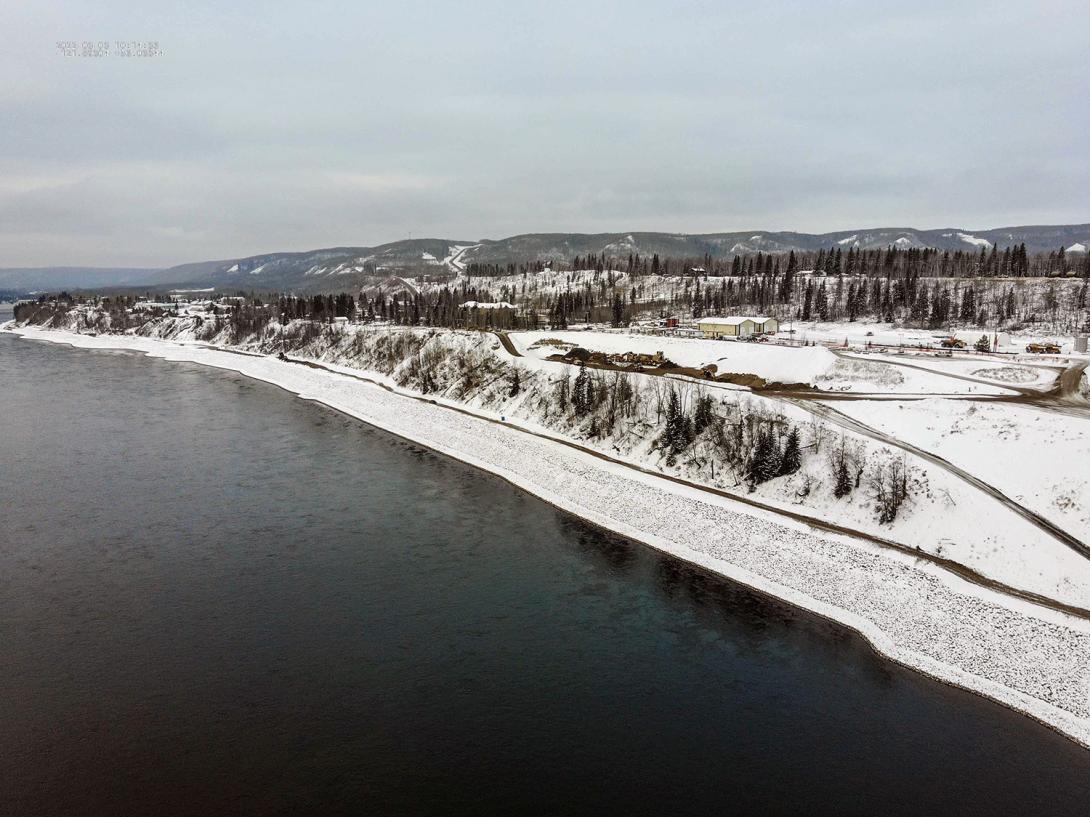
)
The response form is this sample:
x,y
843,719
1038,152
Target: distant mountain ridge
x,y
350,267
27,279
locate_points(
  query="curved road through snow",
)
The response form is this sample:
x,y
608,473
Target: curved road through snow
x,y
838,418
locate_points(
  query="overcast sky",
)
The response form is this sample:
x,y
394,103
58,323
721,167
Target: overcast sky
x,y
270,126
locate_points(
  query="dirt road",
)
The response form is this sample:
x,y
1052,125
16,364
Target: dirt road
x,y
507,344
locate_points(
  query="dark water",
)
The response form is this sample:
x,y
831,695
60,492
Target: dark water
x,y
218,599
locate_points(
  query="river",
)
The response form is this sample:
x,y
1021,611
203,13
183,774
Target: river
x,y
216,598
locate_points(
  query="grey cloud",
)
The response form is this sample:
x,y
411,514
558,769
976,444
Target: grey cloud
x,y
268,127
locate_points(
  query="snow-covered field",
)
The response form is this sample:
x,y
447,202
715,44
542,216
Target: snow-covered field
x,y
774,363
998,371
860,333
1032,658
812,365
989,370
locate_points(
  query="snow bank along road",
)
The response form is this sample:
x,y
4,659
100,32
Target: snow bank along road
x,y
1028,657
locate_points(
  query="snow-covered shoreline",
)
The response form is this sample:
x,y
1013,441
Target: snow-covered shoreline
x,y
1029,658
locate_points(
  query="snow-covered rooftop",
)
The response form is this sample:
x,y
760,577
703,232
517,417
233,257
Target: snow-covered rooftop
x,y
733,320
488,305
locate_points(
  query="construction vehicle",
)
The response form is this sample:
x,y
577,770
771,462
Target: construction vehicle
x,y
1044,348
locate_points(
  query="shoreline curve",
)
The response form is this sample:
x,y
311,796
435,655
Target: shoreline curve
x,y
1071,724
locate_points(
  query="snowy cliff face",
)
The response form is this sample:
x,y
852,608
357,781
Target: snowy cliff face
x,y
728,439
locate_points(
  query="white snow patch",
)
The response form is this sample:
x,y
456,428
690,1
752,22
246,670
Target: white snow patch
x,y
456,260
972,239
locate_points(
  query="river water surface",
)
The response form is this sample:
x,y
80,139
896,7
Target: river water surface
x,y
216,598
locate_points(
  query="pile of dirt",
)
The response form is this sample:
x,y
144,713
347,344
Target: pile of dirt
x,y
745,379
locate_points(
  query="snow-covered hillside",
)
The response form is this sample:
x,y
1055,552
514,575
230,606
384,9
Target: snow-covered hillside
x,y
1038,457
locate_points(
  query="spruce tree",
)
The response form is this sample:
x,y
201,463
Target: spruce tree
x,y
822,303
618,310
764,464
581,392
843,485
563,392
702,414
678,432
791,461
